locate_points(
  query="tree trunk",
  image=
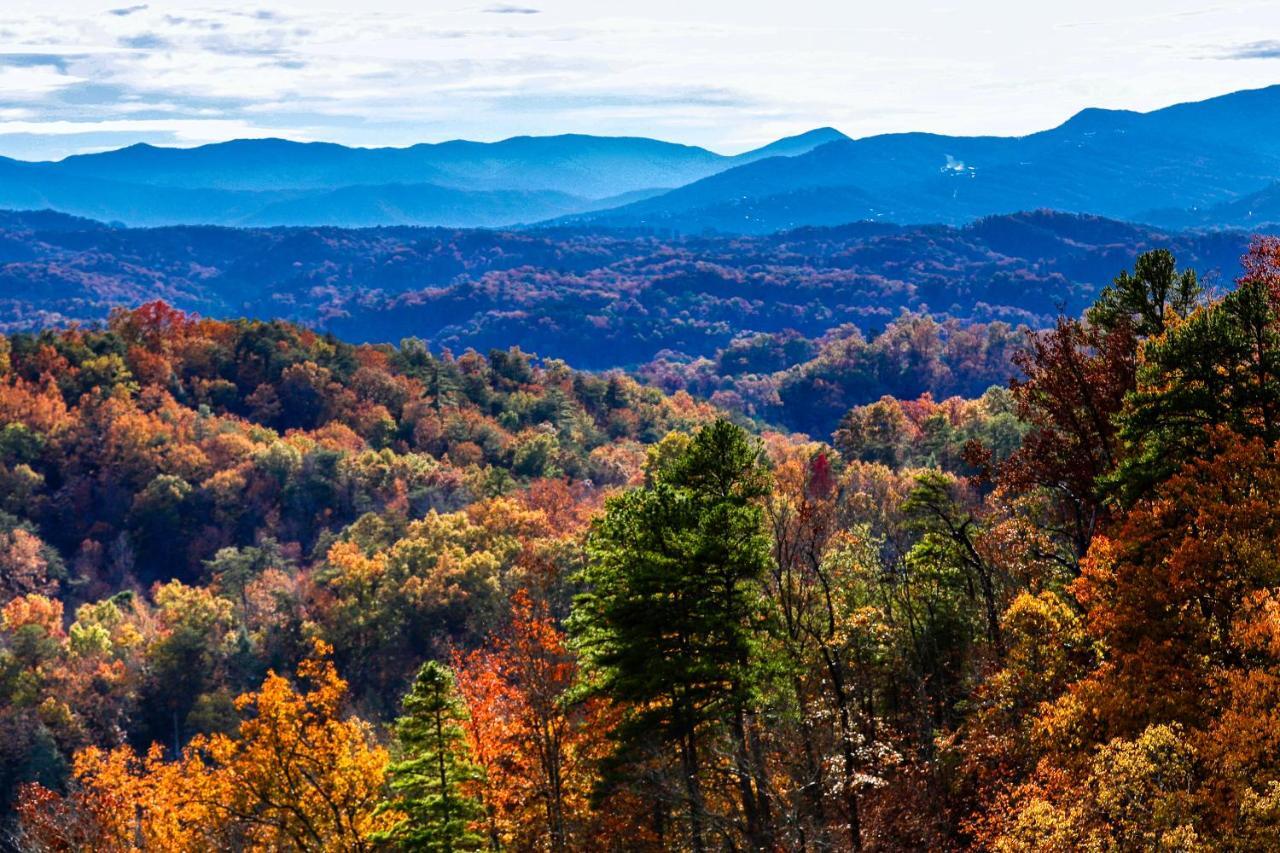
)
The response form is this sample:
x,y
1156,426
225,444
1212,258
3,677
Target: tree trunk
x,y
847,746
750,804
693,790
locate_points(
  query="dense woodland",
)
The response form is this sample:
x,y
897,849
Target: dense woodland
x,y
597,298
807,385
790,329
265,589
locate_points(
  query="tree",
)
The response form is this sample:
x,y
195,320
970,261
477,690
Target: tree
x,y
431,782
1076,377
668,625
297,776
194,641
1142,300
831,629
1048,650
1164,588
1219,367
949,536
1137,795
27,564
1178,603
538,748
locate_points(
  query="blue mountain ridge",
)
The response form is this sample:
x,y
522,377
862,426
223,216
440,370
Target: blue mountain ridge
x,y
279,182
1119,164
1197,164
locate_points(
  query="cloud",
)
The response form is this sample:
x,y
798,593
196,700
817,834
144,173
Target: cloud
x,y
577,100
231,45
497,33
1269,49
183,131
32,82
390,72
59,61
145,41
193,23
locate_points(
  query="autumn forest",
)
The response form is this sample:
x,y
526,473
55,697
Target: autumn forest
x,y
265,589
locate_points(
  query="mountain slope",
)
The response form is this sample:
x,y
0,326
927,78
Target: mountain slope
x,y
27,186
598,299
1110,163
1200,157
414,204
792,146
1256,210
458,184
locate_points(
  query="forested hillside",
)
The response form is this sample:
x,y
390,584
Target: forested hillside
x,y
269,590
596,298
791,328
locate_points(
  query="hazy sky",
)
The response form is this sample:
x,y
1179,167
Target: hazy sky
x,y
79,76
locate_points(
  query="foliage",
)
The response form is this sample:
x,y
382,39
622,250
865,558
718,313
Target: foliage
x,y
297,776
669,620
1047,618
429,782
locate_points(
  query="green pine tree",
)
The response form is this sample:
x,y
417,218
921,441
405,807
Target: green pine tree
x,y
673,608
1143,299
1219,367
429,783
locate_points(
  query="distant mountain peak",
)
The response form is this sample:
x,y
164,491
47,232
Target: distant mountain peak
x,y
791,146
826,133
1099,118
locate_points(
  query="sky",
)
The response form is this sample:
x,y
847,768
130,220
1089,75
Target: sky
x,y
78,76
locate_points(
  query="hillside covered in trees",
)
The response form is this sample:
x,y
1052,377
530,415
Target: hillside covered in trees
x,y
266,589
791,329
596,298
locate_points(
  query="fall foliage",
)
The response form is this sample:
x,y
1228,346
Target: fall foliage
x,y
263,589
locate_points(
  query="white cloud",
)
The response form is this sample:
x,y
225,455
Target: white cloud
x,y
183,131
720,72
33,82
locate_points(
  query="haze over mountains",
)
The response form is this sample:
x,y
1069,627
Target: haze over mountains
x,y
1176,165
459,184
1212,163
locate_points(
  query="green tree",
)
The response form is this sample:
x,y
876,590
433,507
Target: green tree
x,y
948,537
670,620
1221,366
1142,298
431,781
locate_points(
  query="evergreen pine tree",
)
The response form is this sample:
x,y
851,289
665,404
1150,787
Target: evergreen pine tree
x,y
430,781
669,621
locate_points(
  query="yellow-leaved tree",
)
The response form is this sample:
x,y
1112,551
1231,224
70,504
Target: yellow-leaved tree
x,y
296,777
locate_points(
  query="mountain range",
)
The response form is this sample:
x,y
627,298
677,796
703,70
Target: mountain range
x,y
1183,165
262,182
1213,163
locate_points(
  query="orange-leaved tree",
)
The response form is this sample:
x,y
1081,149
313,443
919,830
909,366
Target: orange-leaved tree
x,y
297,776
537,747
